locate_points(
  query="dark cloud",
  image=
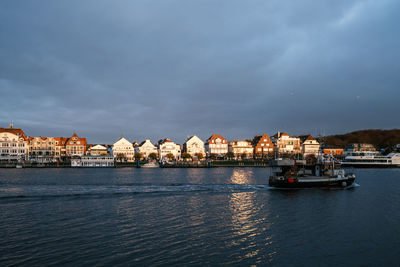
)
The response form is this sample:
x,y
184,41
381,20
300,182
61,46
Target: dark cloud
x,y
153,69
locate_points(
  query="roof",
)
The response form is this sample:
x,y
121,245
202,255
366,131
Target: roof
x,y
215,136
15,131
306,137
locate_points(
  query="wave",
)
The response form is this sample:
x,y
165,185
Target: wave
x,y
102,190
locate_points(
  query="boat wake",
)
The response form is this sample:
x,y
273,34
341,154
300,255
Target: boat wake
x,y
104,190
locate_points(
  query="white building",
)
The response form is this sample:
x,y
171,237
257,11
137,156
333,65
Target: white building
x,y
309,146
13,144
194,145
216,145
123,150
97,150
146,148
241,148
285,144
166,147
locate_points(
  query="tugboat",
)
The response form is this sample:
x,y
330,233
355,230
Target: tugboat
x,y
309,173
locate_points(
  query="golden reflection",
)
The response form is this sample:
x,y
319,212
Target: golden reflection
x,y
241,176
249,222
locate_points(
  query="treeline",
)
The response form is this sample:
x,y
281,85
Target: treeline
x,y
381,139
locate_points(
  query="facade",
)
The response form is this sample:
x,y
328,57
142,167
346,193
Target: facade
x,y
97,150
332,151
123,150
59,147
194,145
263,146
241,149
75,146
146,148
42,149
165,147
309,145
13,144
216,146
285,144
357,149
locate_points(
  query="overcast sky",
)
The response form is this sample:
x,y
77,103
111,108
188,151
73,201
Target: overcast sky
x,y
156,69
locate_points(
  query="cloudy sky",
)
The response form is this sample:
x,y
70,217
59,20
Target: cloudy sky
x,y
166,68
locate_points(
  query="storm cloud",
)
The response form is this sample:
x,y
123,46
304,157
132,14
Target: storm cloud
x,y
156,69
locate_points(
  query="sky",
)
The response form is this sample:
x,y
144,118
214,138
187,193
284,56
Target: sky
x,y
156,69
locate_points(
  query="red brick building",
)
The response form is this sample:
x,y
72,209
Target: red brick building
x,y
263,146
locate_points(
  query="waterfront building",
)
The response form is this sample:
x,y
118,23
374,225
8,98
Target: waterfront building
x,y
59,147
13,144
97,150
309,145
263,146
285,144
146,148
241,149
333,151
194,145
42,149
216,146
75,146
359,149
165,147
123,150
93,161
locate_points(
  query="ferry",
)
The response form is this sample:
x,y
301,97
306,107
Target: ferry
x,y
372,160
288,173
151,165
93,162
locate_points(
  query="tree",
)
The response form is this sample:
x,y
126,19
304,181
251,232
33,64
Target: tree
x,y
153,156
170,156
186,155
199,156
243,156
230,155
138,156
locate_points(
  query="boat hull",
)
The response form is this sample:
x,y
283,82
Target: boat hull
x,y
312,182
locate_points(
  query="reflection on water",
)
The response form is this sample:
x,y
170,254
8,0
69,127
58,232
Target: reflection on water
x,y
240,176
250,224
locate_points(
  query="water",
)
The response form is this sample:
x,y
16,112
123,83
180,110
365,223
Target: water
x,y
221,216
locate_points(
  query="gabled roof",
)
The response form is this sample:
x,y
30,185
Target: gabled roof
x,y
215,136
15,131
307,137
98,147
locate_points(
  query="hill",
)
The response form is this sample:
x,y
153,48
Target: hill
x,y
379,138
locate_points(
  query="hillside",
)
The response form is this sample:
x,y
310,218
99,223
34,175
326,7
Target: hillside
x,y
379,138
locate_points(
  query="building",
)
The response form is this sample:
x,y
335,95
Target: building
x,y
333,151
263,146
146,148
42,149
194,145
59,147
359,149
241,149
123,150
285,144
75,146
13,144
97,150
165,147
309,145
216,146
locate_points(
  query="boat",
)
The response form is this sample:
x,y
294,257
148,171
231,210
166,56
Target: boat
x,y
287,173
372,160
152,164
88,161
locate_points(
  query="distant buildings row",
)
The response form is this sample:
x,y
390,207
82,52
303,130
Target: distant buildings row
x,y
15,144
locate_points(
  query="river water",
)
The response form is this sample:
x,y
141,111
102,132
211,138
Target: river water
x,y
219,216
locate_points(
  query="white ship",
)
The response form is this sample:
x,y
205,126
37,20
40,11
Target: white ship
x,y
371,160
